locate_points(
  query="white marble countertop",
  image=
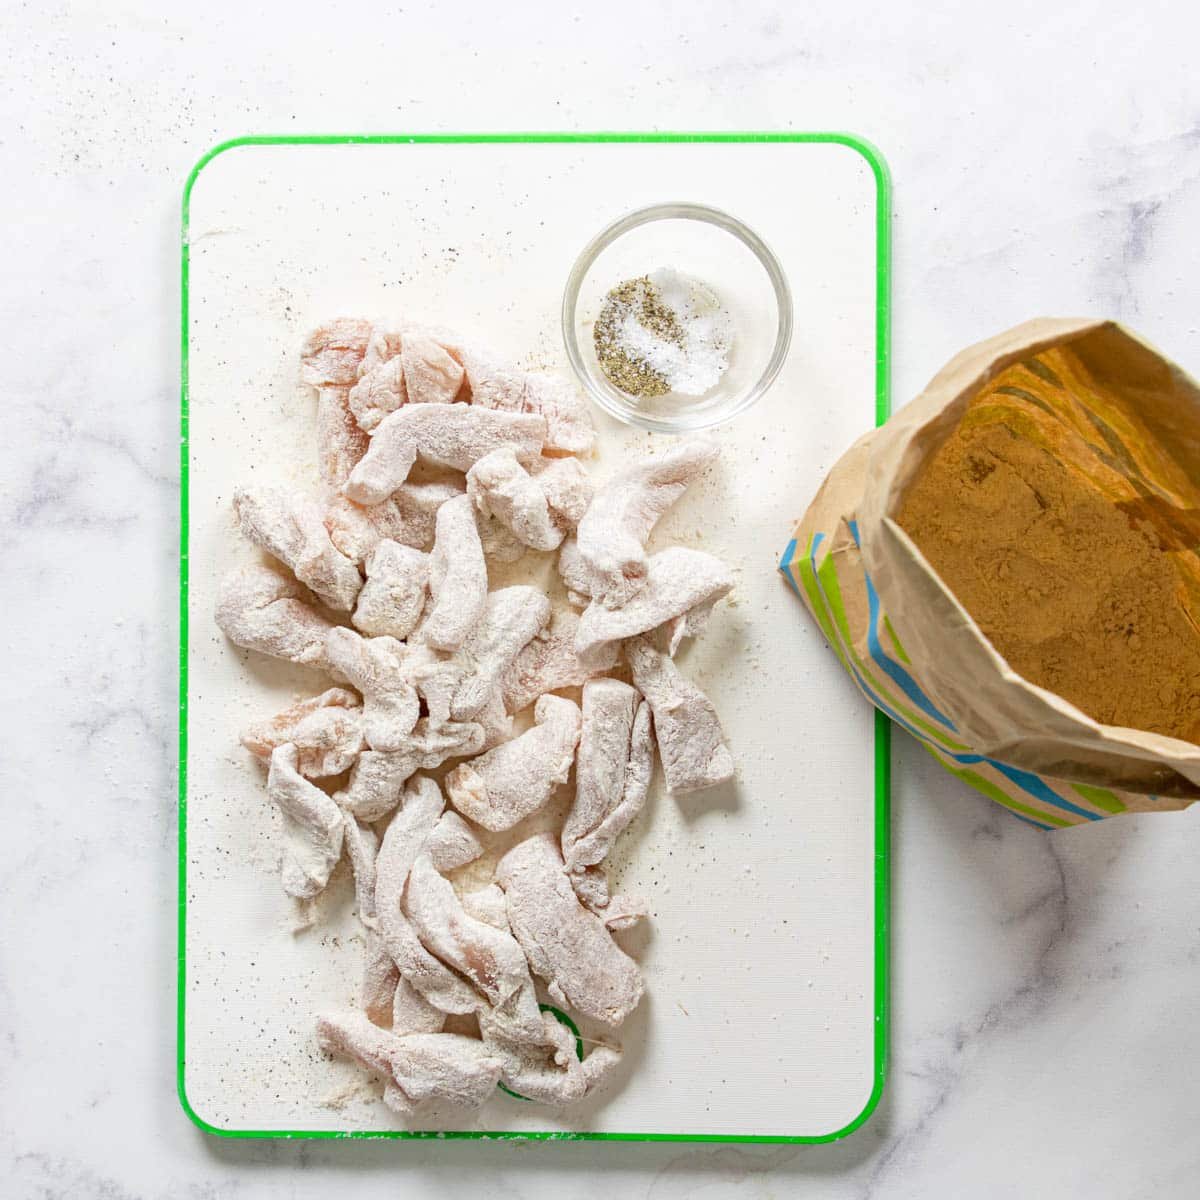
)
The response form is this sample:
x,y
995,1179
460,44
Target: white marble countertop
x,y
1046,1008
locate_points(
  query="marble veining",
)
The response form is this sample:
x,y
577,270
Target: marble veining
x,y
1046,1013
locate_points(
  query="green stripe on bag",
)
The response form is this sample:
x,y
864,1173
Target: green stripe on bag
x,y
994,792
831,589
1102,798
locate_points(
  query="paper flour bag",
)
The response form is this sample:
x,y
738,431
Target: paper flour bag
x,y
1009,569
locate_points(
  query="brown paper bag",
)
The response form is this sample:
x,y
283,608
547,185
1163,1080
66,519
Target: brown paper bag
x,y
915,651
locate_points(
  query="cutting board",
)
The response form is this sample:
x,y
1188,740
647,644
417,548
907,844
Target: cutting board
x,y
765,957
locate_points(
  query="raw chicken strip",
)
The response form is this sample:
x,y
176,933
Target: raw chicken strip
x,y
574,573
512,618
341,444
431,979
522,502
377,779
332,352
569,428
487,904
458,579
489,957
382,345
451,843
376,784
393,597
329,361
617,912
549,1076
690,740
678,580
362,846
326,731
448,435
418,1067
380,979
549,662
436,676
691,624
378,392
565,944
312,823
290,528
497,725
505,785
402,844
568,487
409,515
613,531
376,667
498,385
412,1013
431,376
612,775
260,608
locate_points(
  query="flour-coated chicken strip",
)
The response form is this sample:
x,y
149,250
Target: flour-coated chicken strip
x,y
289,527
566,945
548,1073
458,577
403,842
549,663
488,957
451,843
612,534
495,384
408,515
377,778
678,580
512,617
313,827
261,608
617,912
326,731
329,361
447,435
540,506
416,1067
508,783
375,666
393,596
612,775
691,742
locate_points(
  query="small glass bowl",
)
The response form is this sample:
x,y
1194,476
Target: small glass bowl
x,y
714,248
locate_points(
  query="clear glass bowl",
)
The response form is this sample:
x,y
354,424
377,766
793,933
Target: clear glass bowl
x,y
714,248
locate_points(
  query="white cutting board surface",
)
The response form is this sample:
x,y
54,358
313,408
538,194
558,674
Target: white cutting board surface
x,y
759,1018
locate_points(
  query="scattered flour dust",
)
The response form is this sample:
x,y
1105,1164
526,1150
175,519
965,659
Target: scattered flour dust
x,y
351,1092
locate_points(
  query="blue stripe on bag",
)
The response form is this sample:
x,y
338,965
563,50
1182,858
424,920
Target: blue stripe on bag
x,y
785,563
898,675
1032,784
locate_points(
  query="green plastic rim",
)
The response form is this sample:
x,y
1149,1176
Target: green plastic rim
x,y
562,1018
882,756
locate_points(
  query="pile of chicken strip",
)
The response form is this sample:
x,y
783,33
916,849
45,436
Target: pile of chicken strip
x,y
381,582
